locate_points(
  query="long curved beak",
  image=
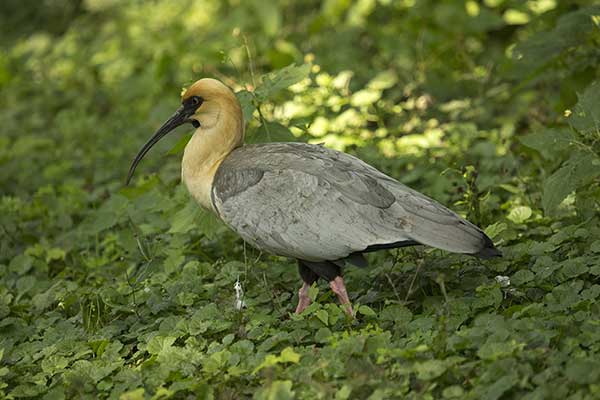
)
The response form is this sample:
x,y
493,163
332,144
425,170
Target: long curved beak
x,y
180,117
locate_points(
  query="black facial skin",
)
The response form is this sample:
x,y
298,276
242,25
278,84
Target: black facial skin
x,y
188,108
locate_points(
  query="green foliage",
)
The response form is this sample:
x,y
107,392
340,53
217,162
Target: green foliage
x,y
274,82
580,145
128,293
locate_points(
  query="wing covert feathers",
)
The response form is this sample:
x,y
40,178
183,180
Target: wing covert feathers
x,y
315,204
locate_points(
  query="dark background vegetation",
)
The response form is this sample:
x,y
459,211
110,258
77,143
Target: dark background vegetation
x,y
491,107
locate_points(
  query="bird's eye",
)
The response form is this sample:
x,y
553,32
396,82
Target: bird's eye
x,y
195,100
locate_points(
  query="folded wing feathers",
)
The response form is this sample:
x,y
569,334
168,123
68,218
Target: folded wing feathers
x,y
437,226
352,205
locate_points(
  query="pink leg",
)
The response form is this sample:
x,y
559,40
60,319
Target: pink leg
x,y
339,288
303,299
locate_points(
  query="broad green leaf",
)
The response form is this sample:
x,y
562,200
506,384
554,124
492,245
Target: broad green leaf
x,y
571,30
549,142
573,268
583,370
495,229
322,316
275,81
28,390
313,292
343,393
208,223
519,214
185,219
500,386
287,355
579,170
271,132
21,264
24,284
55,254
323,335
429,369
366,311
110,213
586,113
160,344
193,216
521,277
135,394
453,392
398,314
246,100
278,390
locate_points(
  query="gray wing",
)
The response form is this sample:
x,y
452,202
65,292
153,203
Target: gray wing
x,y
313,203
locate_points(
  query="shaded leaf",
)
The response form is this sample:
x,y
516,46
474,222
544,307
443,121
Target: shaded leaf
x,y
180,145
246,100
586,113
549,142
271,132
579,170
275,81
429,369
192,216
571,30
583,370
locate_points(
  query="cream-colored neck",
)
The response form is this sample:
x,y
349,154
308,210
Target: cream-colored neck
x,y
221,130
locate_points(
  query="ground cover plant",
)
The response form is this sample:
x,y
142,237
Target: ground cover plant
x,y
107,291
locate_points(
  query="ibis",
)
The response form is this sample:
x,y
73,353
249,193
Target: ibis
x,y
322,207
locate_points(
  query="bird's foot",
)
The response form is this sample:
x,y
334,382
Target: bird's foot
x,y
339,288
303,298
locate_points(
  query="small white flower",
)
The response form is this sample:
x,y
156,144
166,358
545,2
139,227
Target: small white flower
x,y
504,281
239,295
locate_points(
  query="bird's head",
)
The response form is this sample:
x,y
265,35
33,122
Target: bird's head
x,y
202,105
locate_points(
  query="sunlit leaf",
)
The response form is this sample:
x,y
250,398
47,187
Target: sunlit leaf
x,y
515,17
278,390
160,344
519,214
287,355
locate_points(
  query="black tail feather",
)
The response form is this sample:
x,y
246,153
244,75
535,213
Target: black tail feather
x,y
488,249
402,243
